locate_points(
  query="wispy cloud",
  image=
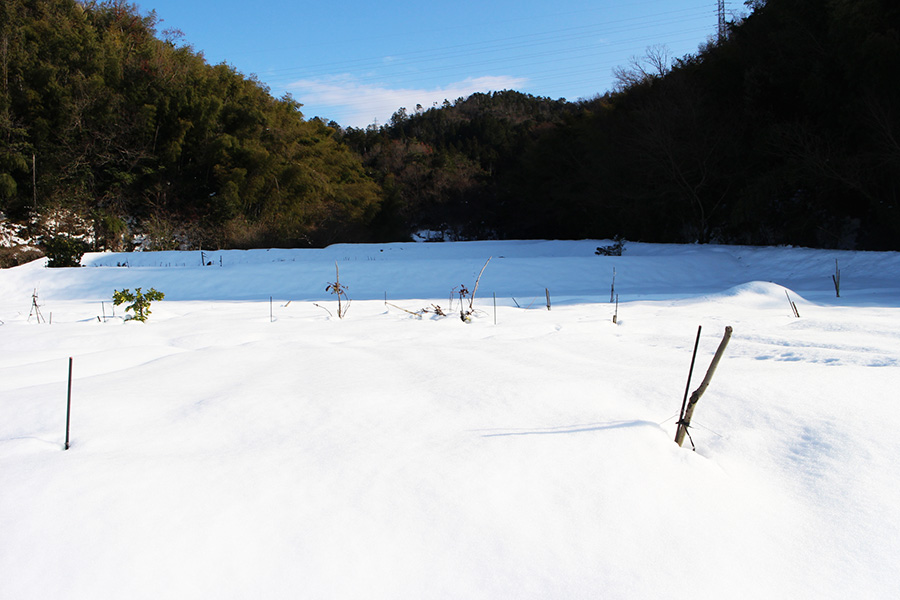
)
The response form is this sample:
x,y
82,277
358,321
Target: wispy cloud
x,y
353,103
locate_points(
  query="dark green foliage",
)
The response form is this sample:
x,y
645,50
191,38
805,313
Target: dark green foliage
x,y
446,168
112,121
64,251
614,249
784,132
140,302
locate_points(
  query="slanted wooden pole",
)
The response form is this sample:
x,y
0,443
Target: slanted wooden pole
x,y
69,403
793,306
695,397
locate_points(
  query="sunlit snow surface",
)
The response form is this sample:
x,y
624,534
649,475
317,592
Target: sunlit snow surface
x,y
240,447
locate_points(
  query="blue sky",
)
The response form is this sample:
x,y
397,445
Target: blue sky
x,y
357,62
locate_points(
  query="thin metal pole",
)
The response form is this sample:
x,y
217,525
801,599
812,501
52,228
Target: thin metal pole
x,y
69,403
271,317
687,386
495,308
612,288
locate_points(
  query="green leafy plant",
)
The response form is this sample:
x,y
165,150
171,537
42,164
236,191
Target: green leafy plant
x,y
64,251
140,302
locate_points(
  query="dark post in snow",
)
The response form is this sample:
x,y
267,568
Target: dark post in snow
x,y
69,403
685,421
612,288
547,291
687,386
793,306
836,278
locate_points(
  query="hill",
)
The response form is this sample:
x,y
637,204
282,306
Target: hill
x,y
784,131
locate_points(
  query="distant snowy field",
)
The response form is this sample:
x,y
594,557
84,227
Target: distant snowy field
x,y
237,447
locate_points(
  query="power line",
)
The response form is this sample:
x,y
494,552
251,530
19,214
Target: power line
x,y
583,54
478,49
593,77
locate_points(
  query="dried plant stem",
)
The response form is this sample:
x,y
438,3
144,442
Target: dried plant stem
x,y
475,289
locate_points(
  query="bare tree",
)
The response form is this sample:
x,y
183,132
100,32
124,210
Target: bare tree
x,y
656,63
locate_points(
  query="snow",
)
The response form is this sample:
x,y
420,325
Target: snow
x,y
220,450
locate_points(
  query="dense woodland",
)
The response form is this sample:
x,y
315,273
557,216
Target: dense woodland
x,y
786,131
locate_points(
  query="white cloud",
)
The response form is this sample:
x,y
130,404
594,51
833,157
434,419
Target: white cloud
x,y
352,103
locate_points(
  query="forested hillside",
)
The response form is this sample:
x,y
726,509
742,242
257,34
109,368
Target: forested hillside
x,y
100,117
784,132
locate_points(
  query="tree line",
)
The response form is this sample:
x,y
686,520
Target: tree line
x,y
102,118
785,131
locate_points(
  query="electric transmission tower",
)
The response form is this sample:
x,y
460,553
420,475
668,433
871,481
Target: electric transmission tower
x,y
721,13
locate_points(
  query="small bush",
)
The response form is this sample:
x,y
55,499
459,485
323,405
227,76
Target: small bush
x,y
140,302
64,251
614,249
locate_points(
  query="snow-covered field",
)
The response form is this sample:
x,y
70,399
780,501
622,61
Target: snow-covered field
x,y
233,447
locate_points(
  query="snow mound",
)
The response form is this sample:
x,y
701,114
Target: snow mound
x,y
761,295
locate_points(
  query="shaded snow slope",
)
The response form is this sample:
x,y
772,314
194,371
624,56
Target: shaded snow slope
x,y
409,270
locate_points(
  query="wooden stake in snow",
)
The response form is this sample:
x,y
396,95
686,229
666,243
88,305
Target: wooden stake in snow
x,y
547,291
616,314
69,403
793,306
685,421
